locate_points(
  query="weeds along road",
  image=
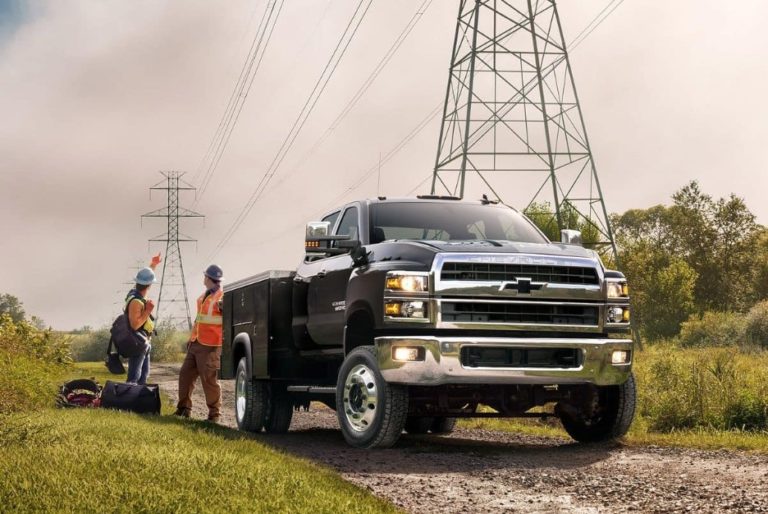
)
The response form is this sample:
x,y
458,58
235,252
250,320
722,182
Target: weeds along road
x,y
482,471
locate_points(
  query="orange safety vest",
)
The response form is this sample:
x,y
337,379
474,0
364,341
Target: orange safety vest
x,y
208,323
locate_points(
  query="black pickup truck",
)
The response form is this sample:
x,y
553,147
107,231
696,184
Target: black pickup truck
x,y
406,314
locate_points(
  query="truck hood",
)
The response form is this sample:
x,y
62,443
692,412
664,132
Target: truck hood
x,y
551,249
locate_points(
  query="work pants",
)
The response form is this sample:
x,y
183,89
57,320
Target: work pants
x,y
138,368
204,362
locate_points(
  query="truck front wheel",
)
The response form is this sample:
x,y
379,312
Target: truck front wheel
x,y
606,417
250,399
371,412
443,425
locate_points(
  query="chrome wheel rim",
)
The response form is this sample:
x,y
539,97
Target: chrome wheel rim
x,y
360,398
240,396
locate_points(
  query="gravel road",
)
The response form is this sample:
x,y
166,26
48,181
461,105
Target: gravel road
x,y
483,471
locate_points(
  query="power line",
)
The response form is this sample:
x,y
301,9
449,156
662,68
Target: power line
x,y
328,71
390,53
576,41
241,90
586,32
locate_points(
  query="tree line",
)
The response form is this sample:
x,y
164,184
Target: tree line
x,y
698,255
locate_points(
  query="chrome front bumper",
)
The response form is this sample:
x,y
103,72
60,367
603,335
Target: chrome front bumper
x,y
442,362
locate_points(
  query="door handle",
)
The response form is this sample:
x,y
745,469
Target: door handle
x,y
321,274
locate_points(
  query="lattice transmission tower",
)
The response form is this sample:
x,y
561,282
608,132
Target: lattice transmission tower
x,y
512,125
173,287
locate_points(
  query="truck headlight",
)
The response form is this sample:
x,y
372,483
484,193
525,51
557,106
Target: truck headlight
x,y
407,282
406,309
617,289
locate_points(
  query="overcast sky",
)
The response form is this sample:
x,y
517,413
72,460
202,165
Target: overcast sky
x,y
96,97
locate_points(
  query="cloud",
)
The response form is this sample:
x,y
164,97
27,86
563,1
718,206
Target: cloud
x,y
99,96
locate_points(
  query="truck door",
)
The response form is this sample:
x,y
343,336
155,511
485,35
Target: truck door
x,y
328,288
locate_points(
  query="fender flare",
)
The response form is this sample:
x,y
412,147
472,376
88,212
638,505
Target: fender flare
x,y
243,340
359,306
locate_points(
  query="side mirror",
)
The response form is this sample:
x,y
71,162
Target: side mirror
x,y
317,229
570,237
316,239
348,244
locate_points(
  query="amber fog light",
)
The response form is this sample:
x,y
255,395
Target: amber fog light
x,y
620,357
407,353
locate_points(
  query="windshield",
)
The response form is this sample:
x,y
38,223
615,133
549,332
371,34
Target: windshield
x,y
444,221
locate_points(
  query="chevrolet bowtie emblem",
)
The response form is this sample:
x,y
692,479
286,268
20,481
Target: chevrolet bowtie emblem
x,y
522,286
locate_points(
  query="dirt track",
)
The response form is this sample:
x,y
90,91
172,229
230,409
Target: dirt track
x,y
482,471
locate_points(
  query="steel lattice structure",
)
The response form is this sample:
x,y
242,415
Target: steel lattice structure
x,y
173,286
512,123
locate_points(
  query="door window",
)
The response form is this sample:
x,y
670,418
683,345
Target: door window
x,y
348,225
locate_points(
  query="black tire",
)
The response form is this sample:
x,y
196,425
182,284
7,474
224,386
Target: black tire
x,y
377,409
250,399
443,425
278,416
418,424
613,416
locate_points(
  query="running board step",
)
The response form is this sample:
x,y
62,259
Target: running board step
x,y
311,389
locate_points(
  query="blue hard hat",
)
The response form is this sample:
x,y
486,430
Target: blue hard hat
x,y
145,277
214,273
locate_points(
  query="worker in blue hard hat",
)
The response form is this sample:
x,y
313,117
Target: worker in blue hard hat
x,y
203,357
139,311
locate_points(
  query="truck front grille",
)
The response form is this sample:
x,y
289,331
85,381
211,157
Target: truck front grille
x,y
473,271
519,313
494,357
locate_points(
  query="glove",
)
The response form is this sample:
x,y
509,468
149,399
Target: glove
x,y
155,261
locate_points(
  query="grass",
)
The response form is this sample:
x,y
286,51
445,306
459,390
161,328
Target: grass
x,y
25,384
705,398
82,460
701,438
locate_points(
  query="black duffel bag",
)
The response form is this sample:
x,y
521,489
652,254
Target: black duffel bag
x,y
129,342
141,399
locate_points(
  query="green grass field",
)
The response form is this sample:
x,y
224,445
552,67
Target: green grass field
x,y
83,460
93,460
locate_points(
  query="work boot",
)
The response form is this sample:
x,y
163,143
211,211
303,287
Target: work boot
x,y
213,419
182,413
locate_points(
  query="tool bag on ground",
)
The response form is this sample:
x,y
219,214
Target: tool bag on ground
x,y
113,362
129,342
79,393
141,399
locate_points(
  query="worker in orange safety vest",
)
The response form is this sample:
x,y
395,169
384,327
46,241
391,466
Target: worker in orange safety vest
x,y
203,357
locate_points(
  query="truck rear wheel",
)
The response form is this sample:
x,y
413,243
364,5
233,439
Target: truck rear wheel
x,y
443,425
278,416
608,418
250,399
371,412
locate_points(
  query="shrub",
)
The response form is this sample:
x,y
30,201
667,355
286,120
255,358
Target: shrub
x,y
32,362
90,345
169,343
757,325
712,329
702,388
24,338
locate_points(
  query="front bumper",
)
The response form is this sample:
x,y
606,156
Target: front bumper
x,y
442,362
